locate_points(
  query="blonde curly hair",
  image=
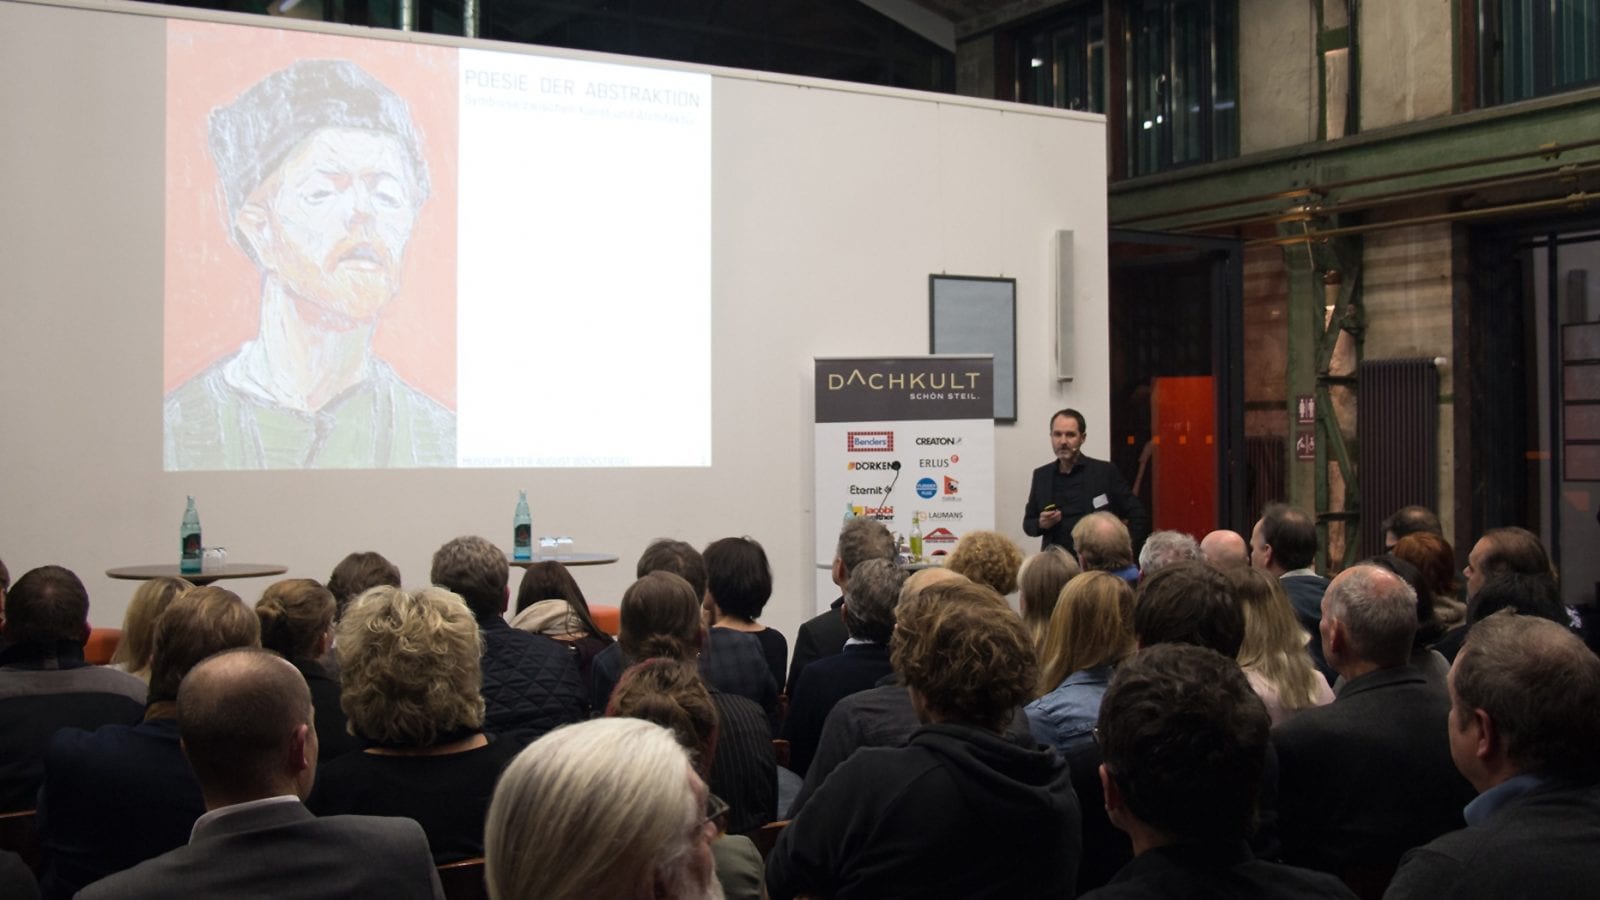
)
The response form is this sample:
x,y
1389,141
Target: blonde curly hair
x,y
410,665
989,558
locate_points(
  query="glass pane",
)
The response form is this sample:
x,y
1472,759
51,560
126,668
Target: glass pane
x,y
1191,82
1576,25
1225,74
1097,65
1147,123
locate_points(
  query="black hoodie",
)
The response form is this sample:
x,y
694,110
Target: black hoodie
x,y
957,812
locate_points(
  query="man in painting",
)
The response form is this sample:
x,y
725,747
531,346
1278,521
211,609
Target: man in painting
x,y
321,174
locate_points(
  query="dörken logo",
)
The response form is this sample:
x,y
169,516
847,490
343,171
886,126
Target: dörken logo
x,y
870,441
938,441
869,466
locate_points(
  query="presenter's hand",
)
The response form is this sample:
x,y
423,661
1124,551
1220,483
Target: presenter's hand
x,y
1049,519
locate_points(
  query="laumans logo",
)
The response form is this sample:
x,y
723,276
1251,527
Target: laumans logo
x,y
902,381
863,441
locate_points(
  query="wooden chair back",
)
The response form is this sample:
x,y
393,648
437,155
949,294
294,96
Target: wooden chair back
x,y
19,834
464,880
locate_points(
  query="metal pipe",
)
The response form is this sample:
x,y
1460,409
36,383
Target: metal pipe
x,y
1577,200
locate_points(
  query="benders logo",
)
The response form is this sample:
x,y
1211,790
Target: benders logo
x,y
869,441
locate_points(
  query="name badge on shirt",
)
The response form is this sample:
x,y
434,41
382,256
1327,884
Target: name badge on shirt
x,y
1102,501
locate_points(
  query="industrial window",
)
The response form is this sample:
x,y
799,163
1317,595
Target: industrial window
x,y
1530,48
1062,61
1183,83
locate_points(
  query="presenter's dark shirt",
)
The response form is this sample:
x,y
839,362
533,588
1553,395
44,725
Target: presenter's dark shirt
x,y
1092,485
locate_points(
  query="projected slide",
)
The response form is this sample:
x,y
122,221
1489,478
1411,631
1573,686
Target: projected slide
x,y
388,255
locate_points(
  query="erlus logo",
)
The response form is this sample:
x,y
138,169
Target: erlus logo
x,y
870,441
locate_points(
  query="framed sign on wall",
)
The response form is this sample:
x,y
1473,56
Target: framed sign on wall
x,y
970,314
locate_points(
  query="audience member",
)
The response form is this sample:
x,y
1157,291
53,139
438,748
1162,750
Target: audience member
x,y
1509,549
1039,584
530,682
870,598
606,808
297,623
960,811
1284,542
245,720
1185,744
730,661
884,716
661,618
1225,549
1436,560
988,558
1535,594
1188,603
1406,521
45,684
119,795
1163,548
1368,777
1523,730
738,586
149,601
549,602
1090,633
861,538
16,879
1429,630
358,573
1273,655
672,694
409,660
1104,545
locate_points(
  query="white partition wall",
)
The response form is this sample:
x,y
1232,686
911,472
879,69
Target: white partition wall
x,y
829,205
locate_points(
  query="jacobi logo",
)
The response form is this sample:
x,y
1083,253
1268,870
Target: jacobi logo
x,y
869,441
938,441
900,381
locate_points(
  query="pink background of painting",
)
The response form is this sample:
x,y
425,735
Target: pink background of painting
x,y
212,287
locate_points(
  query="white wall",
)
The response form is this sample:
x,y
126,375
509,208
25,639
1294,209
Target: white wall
x,y
832,204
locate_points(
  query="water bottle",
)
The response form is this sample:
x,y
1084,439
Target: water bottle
x,y
189,540
849,511
522,529
916,537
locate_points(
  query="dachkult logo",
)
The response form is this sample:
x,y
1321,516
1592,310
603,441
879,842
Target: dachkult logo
x,y
869,441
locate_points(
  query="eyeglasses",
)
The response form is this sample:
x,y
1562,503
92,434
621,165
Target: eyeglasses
x,y
717,810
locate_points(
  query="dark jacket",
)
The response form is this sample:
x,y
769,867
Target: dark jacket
x,y
112,798
1305,595
823,684
333,737
821,635
958,812
1539,844
1221,872
44,689
1369,776
1091,480
530,683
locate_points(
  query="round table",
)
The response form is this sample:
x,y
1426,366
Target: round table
x,y
229,570
566,559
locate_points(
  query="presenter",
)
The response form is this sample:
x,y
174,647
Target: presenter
x,y
1073,485
322,174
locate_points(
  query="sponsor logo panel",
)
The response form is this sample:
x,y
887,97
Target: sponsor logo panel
x,y
869,441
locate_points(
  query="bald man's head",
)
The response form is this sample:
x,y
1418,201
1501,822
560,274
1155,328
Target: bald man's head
x,y
245,719
1225,549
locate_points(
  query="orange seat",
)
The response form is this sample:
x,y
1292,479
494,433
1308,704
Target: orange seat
x,y
101,644
766,836
609,618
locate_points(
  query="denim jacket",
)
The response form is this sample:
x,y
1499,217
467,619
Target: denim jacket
x,y
1065,717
